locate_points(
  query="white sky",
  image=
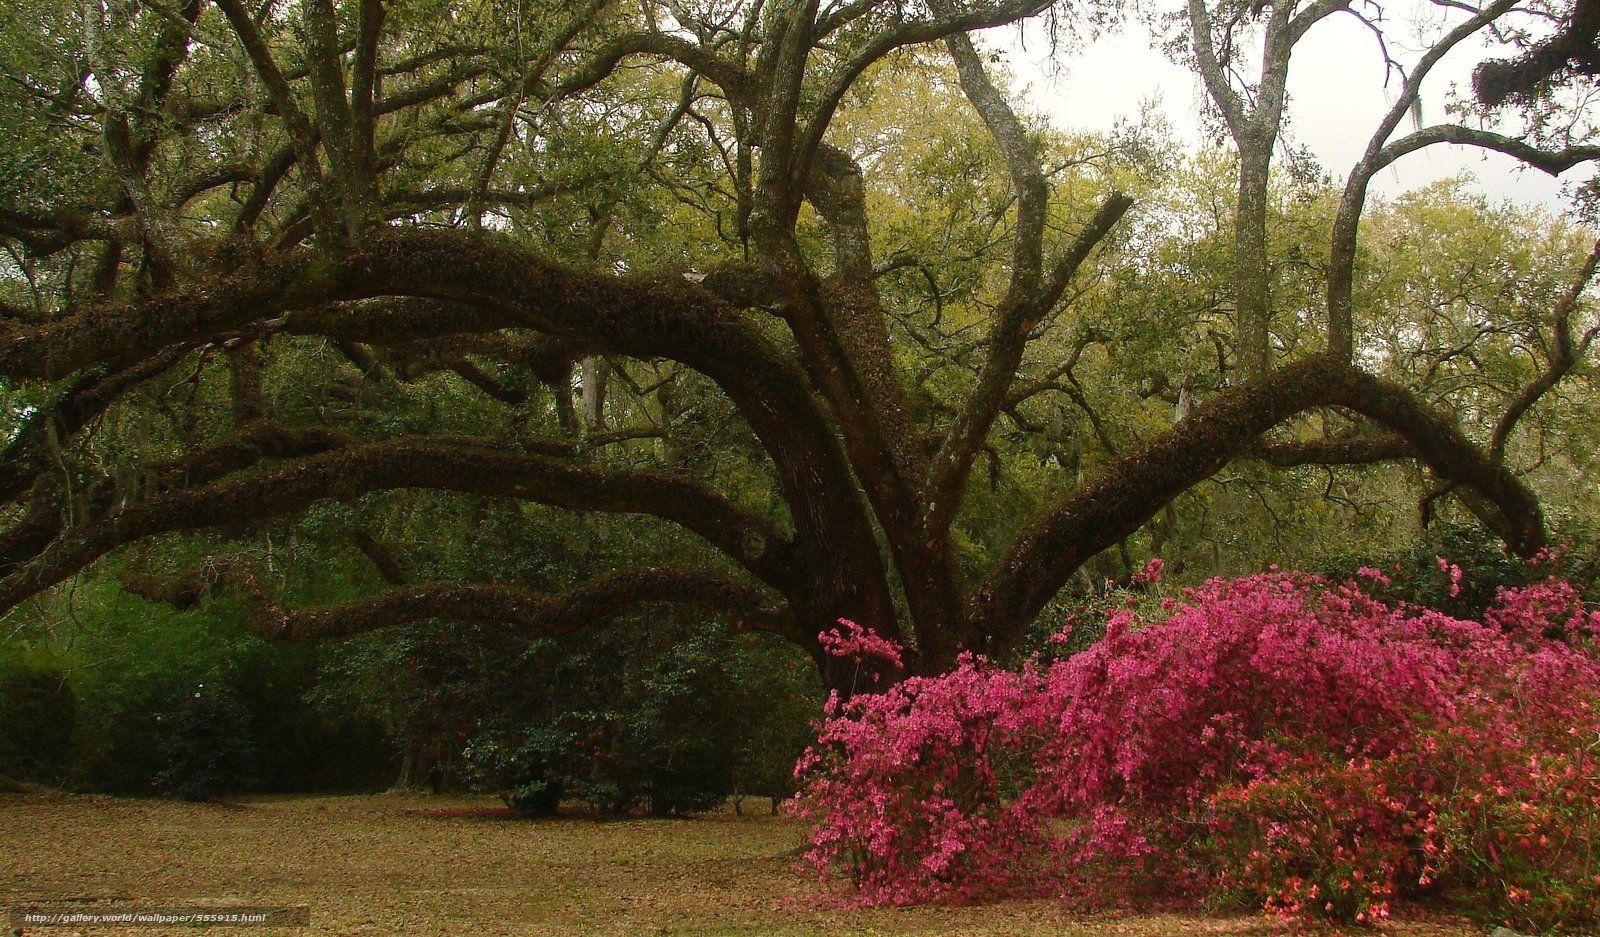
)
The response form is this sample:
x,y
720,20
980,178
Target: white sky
x,y
1336,88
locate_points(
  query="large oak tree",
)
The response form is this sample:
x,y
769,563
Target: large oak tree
x,y
394,182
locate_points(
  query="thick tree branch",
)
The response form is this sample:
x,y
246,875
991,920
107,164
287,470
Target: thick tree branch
x,y
463,465
1332,451
561,613
1499,80
49,511
1136,486
639,316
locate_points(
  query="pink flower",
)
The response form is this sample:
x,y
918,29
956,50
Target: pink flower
x,y
1453,571
858,643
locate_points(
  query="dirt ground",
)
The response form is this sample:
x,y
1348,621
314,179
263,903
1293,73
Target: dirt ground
x,y
390,864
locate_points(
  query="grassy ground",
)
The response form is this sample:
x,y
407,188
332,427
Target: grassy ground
x,y
431,865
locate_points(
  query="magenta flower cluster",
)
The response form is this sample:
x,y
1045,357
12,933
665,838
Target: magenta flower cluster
x,y
850,641
1279,740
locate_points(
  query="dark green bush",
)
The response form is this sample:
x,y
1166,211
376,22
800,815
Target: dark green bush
x,y
104,699
671,716
530,770
38,715
208,745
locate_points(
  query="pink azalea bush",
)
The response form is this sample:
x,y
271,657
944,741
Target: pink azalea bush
x,y
1280,740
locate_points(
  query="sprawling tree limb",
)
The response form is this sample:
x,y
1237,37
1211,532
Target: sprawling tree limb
x,y
1134,487
1449,454
671,318
51,508
1554,162
463,465
745,606
639,316
122,334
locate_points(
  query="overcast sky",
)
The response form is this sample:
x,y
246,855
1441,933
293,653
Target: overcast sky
x,y
1336,87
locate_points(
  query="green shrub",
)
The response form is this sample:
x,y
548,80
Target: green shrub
x,y
208,746
38,714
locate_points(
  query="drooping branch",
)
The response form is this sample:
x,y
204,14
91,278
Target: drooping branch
x,y
669,317
1341,272
745,606
1134,487
463,465
1553,162
1439,443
